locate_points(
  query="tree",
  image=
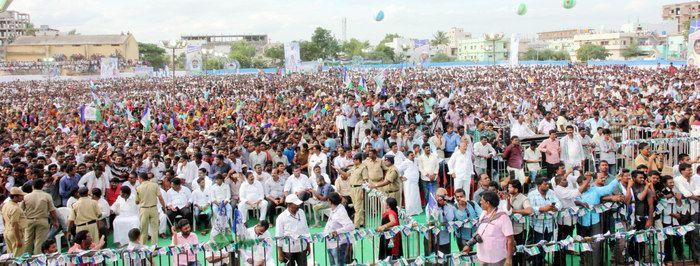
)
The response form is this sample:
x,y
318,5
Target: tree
x,y
354,47
30,30
213,63
243,52
308,51
324,45
276,54
441,57
385,53
591,51
152,54
389,38
73,32
440,38
631,51
546,54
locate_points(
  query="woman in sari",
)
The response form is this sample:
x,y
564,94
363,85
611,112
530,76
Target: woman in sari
x,y
390,247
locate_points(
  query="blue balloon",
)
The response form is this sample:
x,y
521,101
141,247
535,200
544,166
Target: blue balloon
x,y
380,16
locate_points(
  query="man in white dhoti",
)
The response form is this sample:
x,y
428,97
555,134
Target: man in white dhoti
x,y
571,149
461,167
252,194
127,216
410,176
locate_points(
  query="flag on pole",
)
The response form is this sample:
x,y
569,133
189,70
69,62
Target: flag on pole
x,y
312,112
432,207
379,81
82,113
92,92
362,86
146,118
346,79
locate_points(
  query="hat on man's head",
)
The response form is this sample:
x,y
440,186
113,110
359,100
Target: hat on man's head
x,y
365,114
293,199
15,191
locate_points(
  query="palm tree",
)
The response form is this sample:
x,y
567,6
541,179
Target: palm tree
x,y
440,38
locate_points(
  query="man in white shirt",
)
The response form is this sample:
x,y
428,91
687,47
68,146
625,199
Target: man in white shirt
x,y
105,210
260,175
157,167
482,152
316,157
461,167
343,160
252,196
399,157
596,121
571,149
688,185
428,164
261,253
338,223
546,125
532,158
220,194
359,135
274,190
292,224
201,203
258,156
297,183
178,202
519,128
95,179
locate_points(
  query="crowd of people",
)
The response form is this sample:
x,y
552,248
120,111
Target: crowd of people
x,y
298,151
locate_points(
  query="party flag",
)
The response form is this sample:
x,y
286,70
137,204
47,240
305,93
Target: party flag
x,y
146,118
379,80
82,113
362,86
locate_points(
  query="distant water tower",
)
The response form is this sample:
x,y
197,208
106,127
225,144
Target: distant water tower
x,y
344,26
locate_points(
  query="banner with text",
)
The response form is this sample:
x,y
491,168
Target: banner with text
x,y
292,57
193,59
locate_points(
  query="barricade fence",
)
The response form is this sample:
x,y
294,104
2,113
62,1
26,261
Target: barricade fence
x,y
541,240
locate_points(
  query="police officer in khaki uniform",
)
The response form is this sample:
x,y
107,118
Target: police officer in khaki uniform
x,y
373,171
391,184
147,196
85,214
38,205
357,194
13,219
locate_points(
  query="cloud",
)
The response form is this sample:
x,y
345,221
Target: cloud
x,y
156,20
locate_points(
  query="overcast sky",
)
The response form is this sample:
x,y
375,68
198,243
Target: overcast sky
x,y
285,20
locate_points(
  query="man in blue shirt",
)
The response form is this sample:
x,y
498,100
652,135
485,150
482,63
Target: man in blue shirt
x,y
545,206
67,183
589,223
451,141
465,211
446,214
289,152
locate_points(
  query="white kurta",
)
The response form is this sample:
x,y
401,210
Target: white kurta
x,y
409,169
127,218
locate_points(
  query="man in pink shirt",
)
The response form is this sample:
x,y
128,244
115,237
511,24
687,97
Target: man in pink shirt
x,y
83,241
185,237
551,149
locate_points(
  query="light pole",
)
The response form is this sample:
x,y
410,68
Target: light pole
x,y
174,45
205,55
493,38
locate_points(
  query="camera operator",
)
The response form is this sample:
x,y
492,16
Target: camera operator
x,y
494,234
648,158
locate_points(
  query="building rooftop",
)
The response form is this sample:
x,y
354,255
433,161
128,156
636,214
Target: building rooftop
x,y
71,39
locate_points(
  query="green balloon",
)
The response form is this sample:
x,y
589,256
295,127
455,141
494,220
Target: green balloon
x,y
568,4
521,9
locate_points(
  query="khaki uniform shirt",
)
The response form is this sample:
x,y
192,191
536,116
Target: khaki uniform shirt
x,y
392,175
12,213
147,194
373,170
356,175
85,210
519,202
37,205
